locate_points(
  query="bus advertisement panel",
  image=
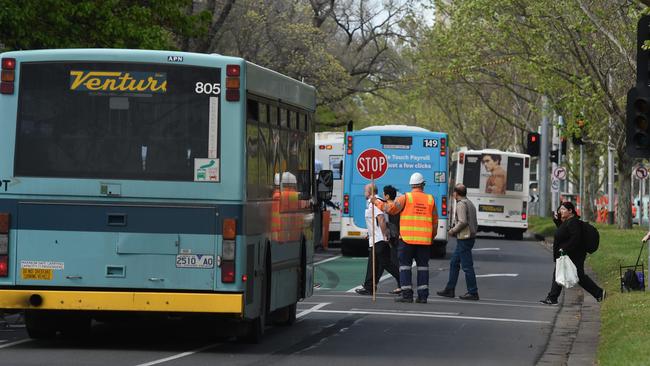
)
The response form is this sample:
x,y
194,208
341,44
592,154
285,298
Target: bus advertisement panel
x,y
127,193
395,152
329,155
497,183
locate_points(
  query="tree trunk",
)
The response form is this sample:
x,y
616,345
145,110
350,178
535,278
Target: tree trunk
x,y
624,200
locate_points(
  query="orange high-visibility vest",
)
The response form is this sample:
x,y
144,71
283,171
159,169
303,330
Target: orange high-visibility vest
x,y
416,219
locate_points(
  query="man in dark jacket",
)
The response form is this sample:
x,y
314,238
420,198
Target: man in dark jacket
x,y
568,240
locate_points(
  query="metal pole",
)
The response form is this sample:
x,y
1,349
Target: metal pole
x,y
582,183
610,167
544,175
555,196
560,122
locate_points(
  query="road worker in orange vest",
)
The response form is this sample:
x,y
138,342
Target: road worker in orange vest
x,y
418,225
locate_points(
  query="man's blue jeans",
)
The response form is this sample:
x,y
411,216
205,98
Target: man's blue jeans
x,y
462,257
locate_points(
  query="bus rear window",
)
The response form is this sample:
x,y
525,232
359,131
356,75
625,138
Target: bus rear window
x,y
115,120
472,171
515,177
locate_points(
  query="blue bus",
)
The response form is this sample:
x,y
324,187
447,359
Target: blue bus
x,y
164,182
400,151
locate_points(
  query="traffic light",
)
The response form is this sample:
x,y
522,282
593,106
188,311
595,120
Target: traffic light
x,y
533,143
554,156
578,139
563,144
638,122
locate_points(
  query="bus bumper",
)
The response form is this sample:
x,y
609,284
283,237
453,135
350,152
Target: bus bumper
x,y
122,301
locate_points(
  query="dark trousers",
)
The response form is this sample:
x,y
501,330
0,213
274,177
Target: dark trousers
x,y
587,283
421,254
462,258
382,262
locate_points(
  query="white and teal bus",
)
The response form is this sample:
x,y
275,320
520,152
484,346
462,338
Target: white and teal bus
x,y
401,151
498,184
138,181
329,149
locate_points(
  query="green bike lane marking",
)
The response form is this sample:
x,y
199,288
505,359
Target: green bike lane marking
x,y
341,274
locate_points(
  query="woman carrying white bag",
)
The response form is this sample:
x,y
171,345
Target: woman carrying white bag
x,y
568,240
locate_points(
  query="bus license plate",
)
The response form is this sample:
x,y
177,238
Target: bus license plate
x,y
354,233
490,208
194,261
42,274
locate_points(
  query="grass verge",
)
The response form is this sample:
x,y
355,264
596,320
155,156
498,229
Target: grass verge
x,y
625,317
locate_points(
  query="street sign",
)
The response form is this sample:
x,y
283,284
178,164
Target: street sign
x,y
534,197
559,173
641,172
372,163
555,185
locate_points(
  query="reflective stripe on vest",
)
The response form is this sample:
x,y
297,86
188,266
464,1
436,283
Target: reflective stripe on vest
x,y
416,220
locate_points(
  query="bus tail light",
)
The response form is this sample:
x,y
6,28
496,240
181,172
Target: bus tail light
x,y
526,162
444,205
232,83
349,148
346,203
8,76
461,158
524,210
443,146
228,248
4,244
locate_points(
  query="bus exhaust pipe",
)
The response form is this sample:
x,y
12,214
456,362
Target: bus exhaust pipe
x,y
36,300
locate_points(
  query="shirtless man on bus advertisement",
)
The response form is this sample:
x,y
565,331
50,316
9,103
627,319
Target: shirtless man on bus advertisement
x,y
496,182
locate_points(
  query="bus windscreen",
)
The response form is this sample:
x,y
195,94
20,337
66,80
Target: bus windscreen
x,y
115,120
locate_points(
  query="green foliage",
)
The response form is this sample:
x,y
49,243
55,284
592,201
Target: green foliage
x,y
38,24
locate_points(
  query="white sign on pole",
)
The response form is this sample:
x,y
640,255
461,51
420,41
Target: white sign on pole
x,y
555,185
641,172
559,173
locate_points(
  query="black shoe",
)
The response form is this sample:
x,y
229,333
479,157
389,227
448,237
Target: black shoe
x,y
469,296
446,293
602,296
404,299
421,300
363,291
548,301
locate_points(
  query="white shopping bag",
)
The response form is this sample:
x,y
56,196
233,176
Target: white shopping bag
x,y
566,273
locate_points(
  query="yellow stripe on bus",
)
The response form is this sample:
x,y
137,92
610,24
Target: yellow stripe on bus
x,y
125,301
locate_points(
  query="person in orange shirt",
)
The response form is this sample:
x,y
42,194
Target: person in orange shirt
x,y
418,226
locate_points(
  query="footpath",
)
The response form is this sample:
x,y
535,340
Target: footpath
x,y
575,335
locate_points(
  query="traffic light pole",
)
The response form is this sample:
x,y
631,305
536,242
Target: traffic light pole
x,y
555,196
582,181
543,177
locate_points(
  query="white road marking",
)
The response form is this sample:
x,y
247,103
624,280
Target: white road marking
x,y
327,260
482,302
432,316
180,355
407,311
485,249
16,342
499,275
312,309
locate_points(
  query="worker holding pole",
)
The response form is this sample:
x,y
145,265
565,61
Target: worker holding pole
x,y
378,246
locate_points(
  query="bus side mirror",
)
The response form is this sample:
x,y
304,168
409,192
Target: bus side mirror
x,y
324,185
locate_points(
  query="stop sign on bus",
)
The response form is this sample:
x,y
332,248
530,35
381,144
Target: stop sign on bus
x,y
372,163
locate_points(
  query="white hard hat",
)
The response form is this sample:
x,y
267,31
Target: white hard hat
x,y
288,178
276,179
416,178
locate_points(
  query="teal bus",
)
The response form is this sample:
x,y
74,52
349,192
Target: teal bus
x,y
397,151
164,182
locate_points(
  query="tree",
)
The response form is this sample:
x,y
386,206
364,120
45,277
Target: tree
x,y
38,24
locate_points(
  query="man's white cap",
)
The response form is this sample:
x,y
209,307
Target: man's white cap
x,y
288,178
416,178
